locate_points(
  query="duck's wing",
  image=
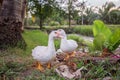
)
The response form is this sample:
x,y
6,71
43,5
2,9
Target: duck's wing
x,y
38,52
72,43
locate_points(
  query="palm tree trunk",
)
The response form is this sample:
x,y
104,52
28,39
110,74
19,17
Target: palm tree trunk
x,y
10,24
24,4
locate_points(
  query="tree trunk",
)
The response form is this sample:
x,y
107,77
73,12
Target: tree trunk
x,y
82,18
69,19
1,4
40,24
40,17
24,5
69,13
10,24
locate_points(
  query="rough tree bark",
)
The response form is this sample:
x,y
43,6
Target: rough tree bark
x,y
24,5
10,24
1,3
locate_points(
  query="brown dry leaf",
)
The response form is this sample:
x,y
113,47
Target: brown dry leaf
x,y
72,66
60,57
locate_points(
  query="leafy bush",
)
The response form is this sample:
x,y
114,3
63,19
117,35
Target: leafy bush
x,y
83,30
104,38
54,23
114,40
75,37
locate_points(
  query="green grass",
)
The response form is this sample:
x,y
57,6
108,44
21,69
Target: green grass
x,y
34,38
100,69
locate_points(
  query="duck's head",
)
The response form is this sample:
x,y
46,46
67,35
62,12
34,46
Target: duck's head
x,y
54,34
61,33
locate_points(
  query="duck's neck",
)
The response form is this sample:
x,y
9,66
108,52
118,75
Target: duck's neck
x,y
65,37
51,44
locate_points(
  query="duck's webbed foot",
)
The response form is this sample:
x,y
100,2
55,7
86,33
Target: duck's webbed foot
x,y
67,57
73,54
49,65
39,66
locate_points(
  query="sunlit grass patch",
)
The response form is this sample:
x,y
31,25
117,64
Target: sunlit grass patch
x,y
34,38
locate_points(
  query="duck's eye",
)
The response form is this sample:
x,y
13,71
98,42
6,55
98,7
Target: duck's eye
x,y
55,32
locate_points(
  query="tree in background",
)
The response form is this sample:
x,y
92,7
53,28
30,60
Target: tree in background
x,y
10,24
68,11
41,9
58,15
70,7
114,16
104,11
90,15
81,10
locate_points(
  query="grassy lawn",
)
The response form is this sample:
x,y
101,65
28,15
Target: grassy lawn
x,y
17,64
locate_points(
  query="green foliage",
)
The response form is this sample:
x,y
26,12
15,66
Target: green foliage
x,y
99,70
100,28
54,23
75,37
104,38
41,9
101,34
114,16
11,68
99,41
105,10
114,40
83,30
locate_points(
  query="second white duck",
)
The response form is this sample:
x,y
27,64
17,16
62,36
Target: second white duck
x,y
67,46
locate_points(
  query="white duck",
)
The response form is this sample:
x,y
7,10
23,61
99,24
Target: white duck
x,y
67,46
45,54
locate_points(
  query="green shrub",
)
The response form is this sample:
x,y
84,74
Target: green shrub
x,y
83,30
104,38
54,23
78,39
